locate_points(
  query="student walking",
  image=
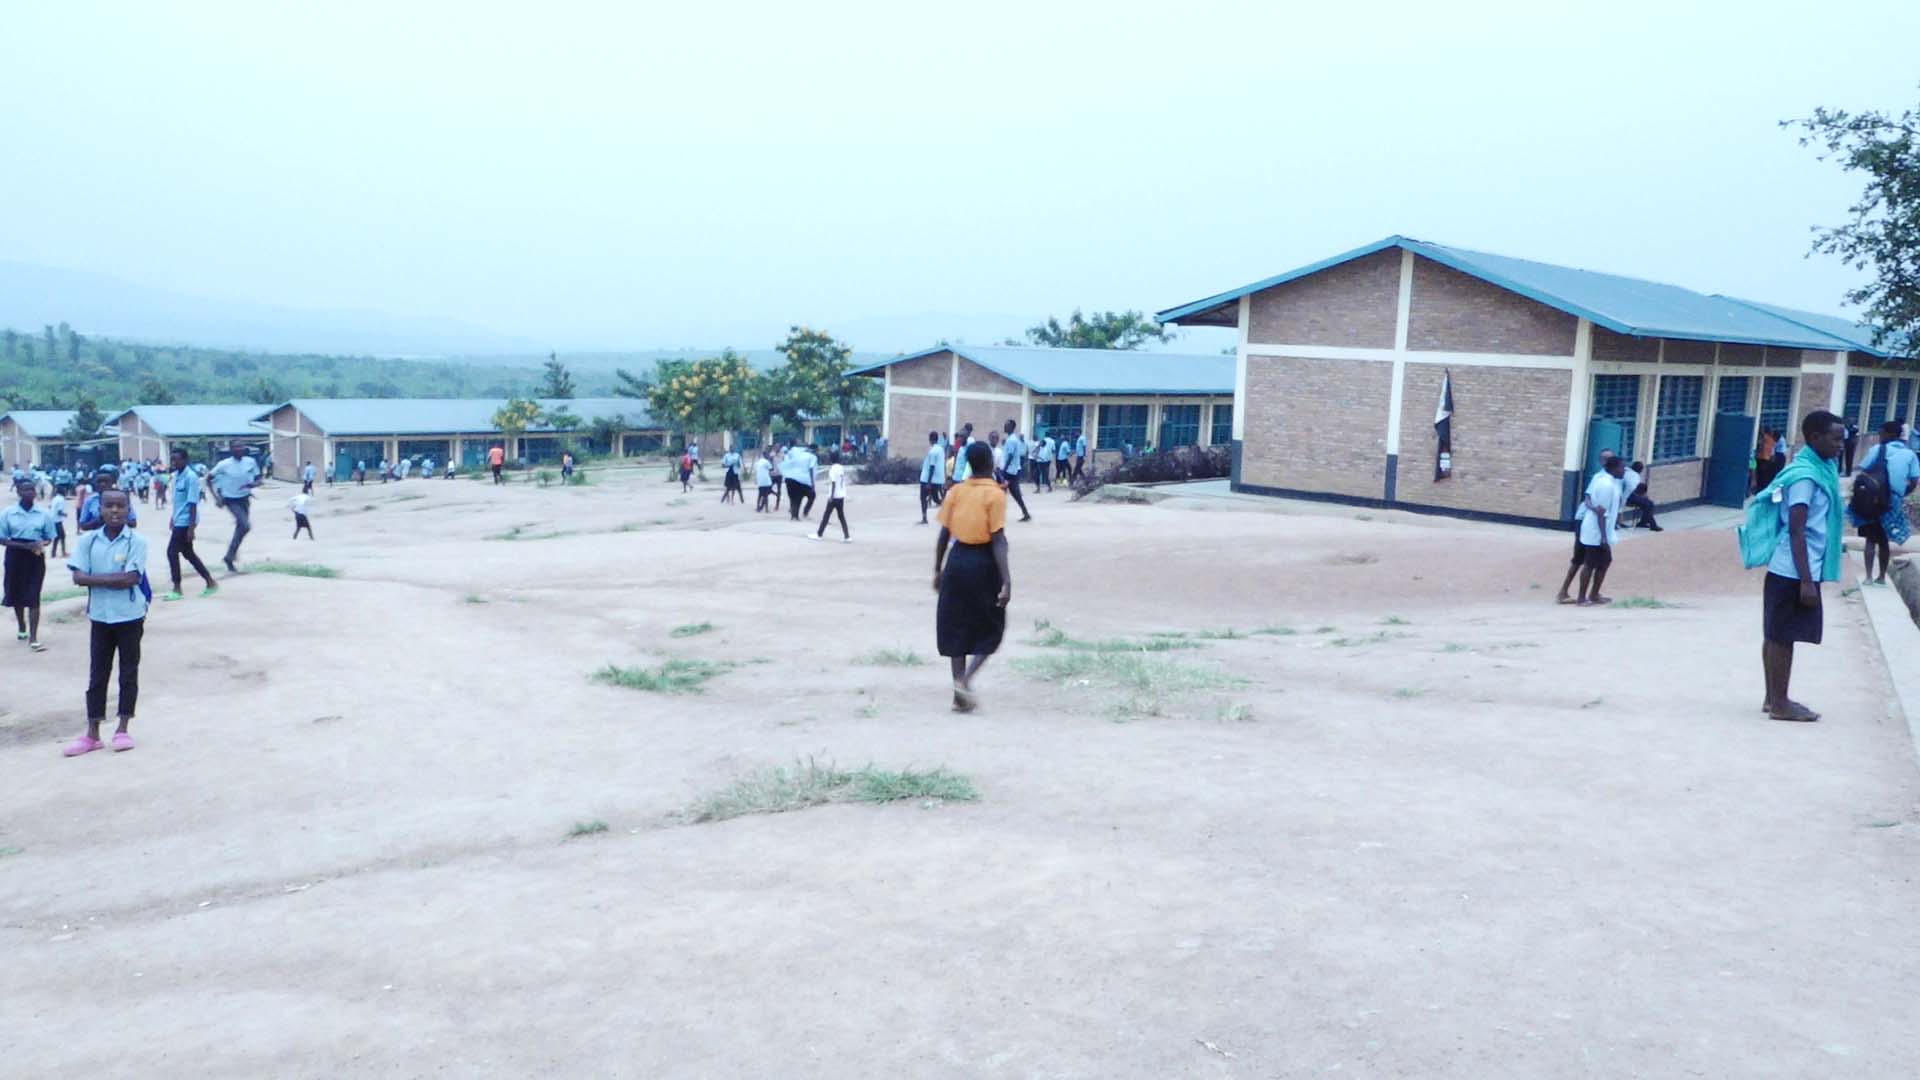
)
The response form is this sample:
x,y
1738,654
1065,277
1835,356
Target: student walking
x,y
307,473
110,563
1079,457
298,504
1014,462
1807,551
234,480
972,575
57,509
1597,531
566,467
798,469
731,489
686,470
1043,464
933,473
774,459
1878,507
185,520
25,531
762,480
836,500
497,460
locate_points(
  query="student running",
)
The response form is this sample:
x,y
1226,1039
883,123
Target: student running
x,y
57,509
298,504
972,576
1014,462
25,530
185,521
1807,551
933,471
836,500
234,479
110,563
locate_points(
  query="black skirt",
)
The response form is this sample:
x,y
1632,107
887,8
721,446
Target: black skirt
x,y
25,572
971,621
1783,620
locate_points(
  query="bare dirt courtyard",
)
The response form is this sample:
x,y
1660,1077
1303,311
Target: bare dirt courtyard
x,y
1383,810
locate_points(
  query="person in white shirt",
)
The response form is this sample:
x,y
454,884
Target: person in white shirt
x,y
762,479
57,509
837,480
933,473
298,504
1599,528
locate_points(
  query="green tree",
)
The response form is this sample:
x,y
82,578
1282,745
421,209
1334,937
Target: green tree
x,y
1883,236
264,391
561,418
606,430
816,380
516,416
1101,330
13,343
705,396
74,342
52,345
558,380
627,384
155,392
86,422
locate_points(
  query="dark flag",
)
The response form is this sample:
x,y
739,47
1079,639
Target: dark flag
x,y
1443,429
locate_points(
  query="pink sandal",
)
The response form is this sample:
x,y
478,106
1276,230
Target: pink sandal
x,y
83,745
122,741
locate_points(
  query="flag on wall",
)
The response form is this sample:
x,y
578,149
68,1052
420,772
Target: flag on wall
x,y
1443,429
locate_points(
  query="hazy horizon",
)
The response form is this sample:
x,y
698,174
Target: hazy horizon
x,y
610,179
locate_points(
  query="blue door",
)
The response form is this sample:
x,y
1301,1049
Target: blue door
x,y
1727,464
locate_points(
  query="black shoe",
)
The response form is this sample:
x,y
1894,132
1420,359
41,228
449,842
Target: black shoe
x,y
1656,528
230,567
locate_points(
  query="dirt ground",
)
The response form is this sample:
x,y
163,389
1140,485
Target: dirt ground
x,y
1463,832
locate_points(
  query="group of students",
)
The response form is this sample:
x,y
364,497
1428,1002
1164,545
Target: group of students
x,y
108,558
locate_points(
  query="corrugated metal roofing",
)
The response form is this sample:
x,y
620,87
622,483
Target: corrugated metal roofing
x,y
1091,371
41,423
1860,334
443,416
182,421
1624,305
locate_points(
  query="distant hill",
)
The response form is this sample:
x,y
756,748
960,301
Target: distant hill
x,y
105,306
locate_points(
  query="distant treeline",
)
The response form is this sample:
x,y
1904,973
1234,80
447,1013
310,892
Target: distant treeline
x,y
54,368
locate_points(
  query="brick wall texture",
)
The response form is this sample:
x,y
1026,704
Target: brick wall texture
x,y
979,380
1457,312
1814,390
927,373
1353,304
985,415
1678,482
1686,352
1740,355
1317,425
137,440
909,418
16,448
1509,431
1608,345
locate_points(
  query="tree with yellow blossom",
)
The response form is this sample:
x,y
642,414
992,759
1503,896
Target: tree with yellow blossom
x,y
705,396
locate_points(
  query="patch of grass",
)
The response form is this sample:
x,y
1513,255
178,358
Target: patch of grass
x,y
1276,631
296,569
1394,620
6,851
1361,559
809,783
1128,670
1324,629
1406,693
586,828
694,629
676,502
867,711
890,658
475,598
1042,624
519,532
1456,647
1644,602
1238,712
1054,637
54,596
1229,634
579,479
672,677
407,498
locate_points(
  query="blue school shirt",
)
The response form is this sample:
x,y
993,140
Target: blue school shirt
x,y
1013,455
89,517
233,476
1814,498
1902,466
186,496
799,467
95,553
19,523
933,467
763,473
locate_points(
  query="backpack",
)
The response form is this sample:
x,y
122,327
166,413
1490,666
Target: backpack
x,y
1872,491
1759,535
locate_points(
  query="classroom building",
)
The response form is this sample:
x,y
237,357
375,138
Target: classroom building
x,y
1341,366
337,433
1118,397
150,432
34,437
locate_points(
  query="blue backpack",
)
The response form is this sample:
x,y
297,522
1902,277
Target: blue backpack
x,y
1760,534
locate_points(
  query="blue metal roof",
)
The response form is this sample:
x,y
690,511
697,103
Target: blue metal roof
x,y
41,423
1090,371
1625,305
183,421
444,416
1859,334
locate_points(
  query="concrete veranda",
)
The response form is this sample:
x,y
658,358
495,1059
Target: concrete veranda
x,y
1440,826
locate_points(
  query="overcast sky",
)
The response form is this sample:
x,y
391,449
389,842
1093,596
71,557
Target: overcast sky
x,y
630,175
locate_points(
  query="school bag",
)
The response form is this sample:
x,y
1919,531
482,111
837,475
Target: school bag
x,y
1871,491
